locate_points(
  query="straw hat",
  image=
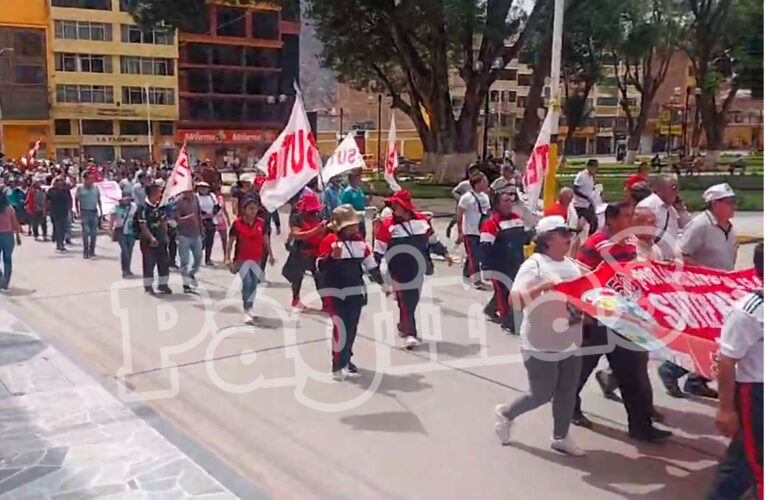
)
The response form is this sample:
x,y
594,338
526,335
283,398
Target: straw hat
x,y
344,216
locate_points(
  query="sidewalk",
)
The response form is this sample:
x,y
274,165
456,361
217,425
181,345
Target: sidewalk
x,y
63,435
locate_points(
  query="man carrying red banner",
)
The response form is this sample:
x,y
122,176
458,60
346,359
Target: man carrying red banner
x,y
630,365
740,378
709,241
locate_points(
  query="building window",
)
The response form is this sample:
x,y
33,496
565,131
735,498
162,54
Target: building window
x,y
67,93
28,44
63,127
84,93
608,101
95,64
231,22
262,58
494,96
161,96
521,102
97,127
134,127
524,80
134,65
165,128
507,74
83,4
83,30
29,74
137,95
133,95
127,5
265,25
65,62
83,62
134,34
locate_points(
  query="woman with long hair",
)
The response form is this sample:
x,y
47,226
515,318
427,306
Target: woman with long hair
x,y
9,226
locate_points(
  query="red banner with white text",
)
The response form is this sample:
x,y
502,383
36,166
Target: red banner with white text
x,y
673,310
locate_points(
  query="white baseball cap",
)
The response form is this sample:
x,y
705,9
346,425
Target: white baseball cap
x,y
718,192
550,223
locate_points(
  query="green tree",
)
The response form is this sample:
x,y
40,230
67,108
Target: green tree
x,y
651,31
725,49
588,32
412,50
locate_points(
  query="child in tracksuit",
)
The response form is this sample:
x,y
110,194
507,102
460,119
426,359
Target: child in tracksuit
x,y
501,254
404,240
342,257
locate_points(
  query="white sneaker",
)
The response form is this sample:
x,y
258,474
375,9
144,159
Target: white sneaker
x,y
248,319
567,446
340,375
350,374
503,424
411,341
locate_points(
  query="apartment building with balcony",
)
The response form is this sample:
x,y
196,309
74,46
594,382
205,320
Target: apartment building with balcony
x,y
236,72
114,84
24,69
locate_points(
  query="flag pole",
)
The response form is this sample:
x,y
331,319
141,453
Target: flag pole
x,y
550,183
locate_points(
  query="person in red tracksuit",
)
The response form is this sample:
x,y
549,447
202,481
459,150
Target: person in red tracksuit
x,y
342,257
403,240
501,255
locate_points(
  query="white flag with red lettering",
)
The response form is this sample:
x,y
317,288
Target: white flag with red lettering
x,y
346,157
536,167
30,160
180,178
391,159
291,161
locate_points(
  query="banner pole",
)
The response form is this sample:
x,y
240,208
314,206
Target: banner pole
x,y
550,182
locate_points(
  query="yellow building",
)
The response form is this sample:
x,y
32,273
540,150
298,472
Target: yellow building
x,y
113,85
24,70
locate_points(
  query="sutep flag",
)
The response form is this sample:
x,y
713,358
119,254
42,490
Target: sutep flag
x,y
291,161
180,178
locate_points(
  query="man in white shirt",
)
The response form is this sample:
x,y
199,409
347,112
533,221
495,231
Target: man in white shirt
x,y
461,188
472,209
740,378
584,191
644,229
709,241
670,212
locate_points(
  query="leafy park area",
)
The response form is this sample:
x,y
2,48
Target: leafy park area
x,y
749,188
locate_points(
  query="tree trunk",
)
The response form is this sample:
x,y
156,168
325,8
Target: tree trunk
x,y
529,127
630,158
711,159
448,168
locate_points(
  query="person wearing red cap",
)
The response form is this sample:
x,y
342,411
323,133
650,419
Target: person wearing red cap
x,y
403,240
306,231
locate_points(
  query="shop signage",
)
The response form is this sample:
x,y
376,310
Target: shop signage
x,y
225,136
114,139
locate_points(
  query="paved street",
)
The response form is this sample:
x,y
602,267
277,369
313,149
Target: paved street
x,y
251,411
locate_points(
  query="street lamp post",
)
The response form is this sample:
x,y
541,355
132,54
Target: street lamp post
x,y
497,63
379,131
685,119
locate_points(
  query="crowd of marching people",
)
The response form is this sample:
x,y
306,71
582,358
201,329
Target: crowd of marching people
x,y
329,239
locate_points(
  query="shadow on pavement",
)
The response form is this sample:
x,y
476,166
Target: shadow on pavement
x,y
606,471
390,421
